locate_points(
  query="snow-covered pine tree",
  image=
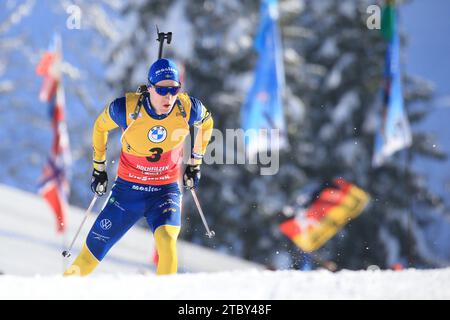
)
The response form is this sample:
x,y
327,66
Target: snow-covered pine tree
x,y
14,104
343,69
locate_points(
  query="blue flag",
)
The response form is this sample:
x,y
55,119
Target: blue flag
x,y
263,107
394,133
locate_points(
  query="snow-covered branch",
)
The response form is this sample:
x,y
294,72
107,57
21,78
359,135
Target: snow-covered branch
x,y
17,16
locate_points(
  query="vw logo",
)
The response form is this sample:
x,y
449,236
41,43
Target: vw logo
x,y
157,134
105,224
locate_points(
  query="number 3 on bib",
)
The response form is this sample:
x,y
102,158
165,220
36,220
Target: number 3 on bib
x,y
156,154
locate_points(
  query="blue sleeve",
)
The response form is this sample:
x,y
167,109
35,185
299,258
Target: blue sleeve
x,y
117,112
197,111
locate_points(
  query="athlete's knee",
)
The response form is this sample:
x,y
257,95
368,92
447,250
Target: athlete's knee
x,y
84,264
166,235
98,248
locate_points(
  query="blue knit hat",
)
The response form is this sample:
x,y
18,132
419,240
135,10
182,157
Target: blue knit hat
x,y
163,69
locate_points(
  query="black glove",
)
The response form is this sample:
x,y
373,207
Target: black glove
x,y
99,182
191,176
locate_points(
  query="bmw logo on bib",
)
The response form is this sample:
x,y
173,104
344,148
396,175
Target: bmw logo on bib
x,y
157,134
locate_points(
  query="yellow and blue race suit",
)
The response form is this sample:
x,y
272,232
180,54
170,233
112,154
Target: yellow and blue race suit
x,y
148,175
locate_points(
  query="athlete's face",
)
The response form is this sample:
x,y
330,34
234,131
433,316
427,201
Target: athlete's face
x,y
163,95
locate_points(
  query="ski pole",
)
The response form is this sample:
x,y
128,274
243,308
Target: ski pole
x,y
209,233
66,253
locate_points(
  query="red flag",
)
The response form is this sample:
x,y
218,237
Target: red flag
x,y
53,197
155,257
54,185
48,68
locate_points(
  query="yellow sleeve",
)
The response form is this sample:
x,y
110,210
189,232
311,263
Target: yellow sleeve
x,y
203,136
102,125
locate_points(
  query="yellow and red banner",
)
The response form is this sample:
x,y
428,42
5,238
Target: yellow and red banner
x,y
333,207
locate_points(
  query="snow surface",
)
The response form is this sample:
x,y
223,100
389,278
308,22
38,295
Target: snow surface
x,y
251,285
30,257
29,244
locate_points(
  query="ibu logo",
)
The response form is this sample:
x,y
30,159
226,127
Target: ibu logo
x,y
157,134
105,224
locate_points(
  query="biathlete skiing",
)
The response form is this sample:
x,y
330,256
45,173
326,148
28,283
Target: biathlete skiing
x,y
154,124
